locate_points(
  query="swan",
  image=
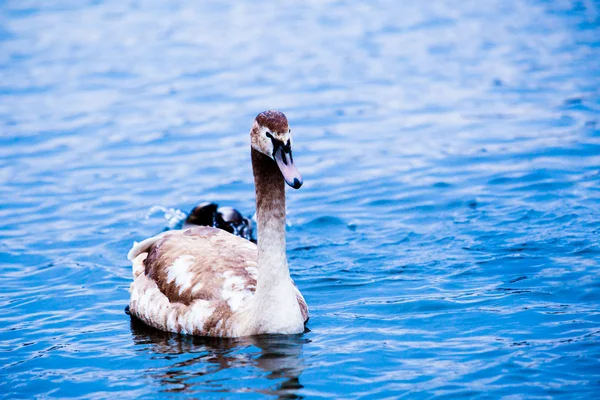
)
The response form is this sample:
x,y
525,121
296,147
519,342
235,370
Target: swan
x,y
227,218
205,281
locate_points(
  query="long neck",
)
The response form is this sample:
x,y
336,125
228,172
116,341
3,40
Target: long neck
x,y
270,210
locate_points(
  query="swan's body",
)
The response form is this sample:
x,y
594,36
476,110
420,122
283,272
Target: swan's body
x,y
202,281
208,282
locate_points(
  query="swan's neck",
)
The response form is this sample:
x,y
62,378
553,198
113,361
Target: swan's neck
x,y
276,305
270,216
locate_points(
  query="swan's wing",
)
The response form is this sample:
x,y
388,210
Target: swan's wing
x,y
199,263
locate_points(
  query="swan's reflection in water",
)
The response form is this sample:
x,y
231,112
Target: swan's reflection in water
x,y
201,365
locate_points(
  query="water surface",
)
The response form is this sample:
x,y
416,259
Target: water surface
x,y
447,237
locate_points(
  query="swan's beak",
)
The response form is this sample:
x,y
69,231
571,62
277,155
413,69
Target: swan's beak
x,y
286,165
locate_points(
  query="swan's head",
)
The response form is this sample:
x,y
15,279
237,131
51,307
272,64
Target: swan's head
x,y
272,136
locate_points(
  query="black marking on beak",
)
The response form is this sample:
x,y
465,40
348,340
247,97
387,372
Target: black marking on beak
x,y
286,148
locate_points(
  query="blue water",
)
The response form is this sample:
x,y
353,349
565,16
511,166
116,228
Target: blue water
x,y
447,237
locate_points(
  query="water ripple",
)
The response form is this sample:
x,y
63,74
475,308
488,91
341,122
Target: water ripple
x,y
446,237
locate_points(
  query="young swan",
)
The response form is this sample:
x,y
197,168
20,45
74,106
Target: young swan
x,y
207,282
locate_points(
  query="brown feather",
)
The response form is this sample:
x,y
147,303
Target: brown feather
x,y
214,251
273,120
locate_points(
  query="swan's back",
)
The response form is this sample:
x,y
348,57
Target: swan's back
x,y
195,264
